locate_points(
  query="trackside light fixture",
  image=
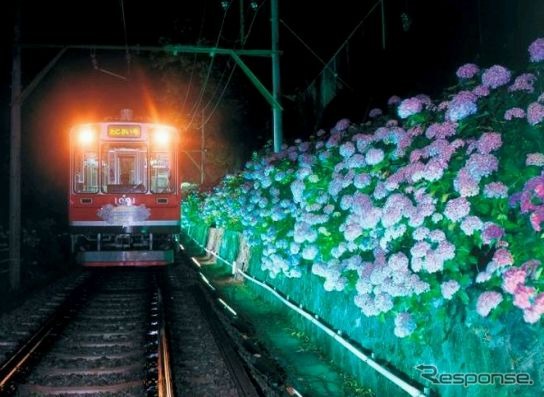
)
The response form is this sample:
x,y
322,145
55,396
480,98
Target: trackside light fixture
x,y
195,261
226,306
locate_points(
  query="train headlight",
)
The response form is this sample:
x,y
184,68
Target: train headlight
x,y
86,135
161,136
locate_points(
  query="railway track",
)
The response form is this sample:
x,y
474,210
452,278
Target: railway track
x,y
128,332
108,338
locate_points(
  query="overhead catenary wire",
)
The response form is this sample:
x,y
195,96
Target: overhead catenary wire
x,y
325,64
222,94
196,108
127,52
194,60
355,29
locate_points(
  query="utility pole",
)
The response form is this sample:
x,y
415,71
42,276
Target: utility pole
x,y
276,110
202,150
15,160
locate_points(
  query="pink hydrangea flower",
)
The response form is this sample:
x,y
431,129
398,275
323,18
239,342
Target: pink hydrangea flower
x,y
492,232
481,91
496,190
489,142
535,159
449,288
535,113
471,224
536,50
496,76
514,113
503,257
513,278
531,316
409,107
465,184
487,301
462,105
523,296
482,277
441,130
467,71
457,209
524,82
536,218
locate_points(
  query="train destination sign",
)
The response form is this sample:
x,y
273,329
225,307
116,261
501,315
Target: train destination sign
x,y
124,131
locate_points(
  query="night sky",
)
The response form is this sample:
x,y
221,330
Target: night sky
x,y
426,40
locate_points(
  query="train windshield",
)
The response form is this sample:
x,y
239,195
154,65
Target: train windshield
x,y
124,168
86,170
161,176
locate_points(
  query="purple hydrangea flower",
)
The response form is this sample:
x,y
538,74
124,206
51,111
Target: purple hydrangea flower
x,y
467,71
441,130
514,113
481,91
393,100
376,112
523,82
457,209
404,325
487,301
347,149
535,159
496,76
496,190
536,50
374,156
342,125
481,165
492,232
449,288
409,107
535,113
462,105
489,142
471,224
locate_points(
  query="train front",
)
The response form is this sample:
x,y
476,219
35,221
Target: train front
x,y
124,194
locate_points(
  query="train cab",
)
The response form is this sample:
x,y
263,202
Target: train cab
x,y
124,198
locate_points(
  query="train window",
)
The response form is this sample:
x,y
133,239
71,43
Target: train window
x,y
86,171
161,173
124,168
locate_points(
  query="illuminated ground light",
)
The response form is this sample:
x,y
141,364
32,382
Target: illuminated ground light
x,y
230,309
203,277
195,261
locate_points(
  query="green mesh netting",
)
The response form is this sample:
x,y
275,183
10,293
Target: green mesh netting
x,y
451,350
230,242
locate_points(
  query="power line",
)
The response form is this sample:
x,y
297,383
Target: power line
x,y
210,65
126,35
314,53
355,29
194,58
256,11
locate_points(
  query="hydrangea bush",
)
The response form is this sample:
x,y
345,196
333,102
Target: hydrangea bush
x,y
429,206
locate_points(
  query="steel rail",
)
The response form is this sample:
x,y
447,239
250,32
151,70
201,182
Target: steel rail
x,y
234,363
165,380
58,319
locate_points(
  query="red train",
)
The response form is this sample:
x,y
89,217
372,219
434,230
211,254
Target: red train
x,y
124,199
